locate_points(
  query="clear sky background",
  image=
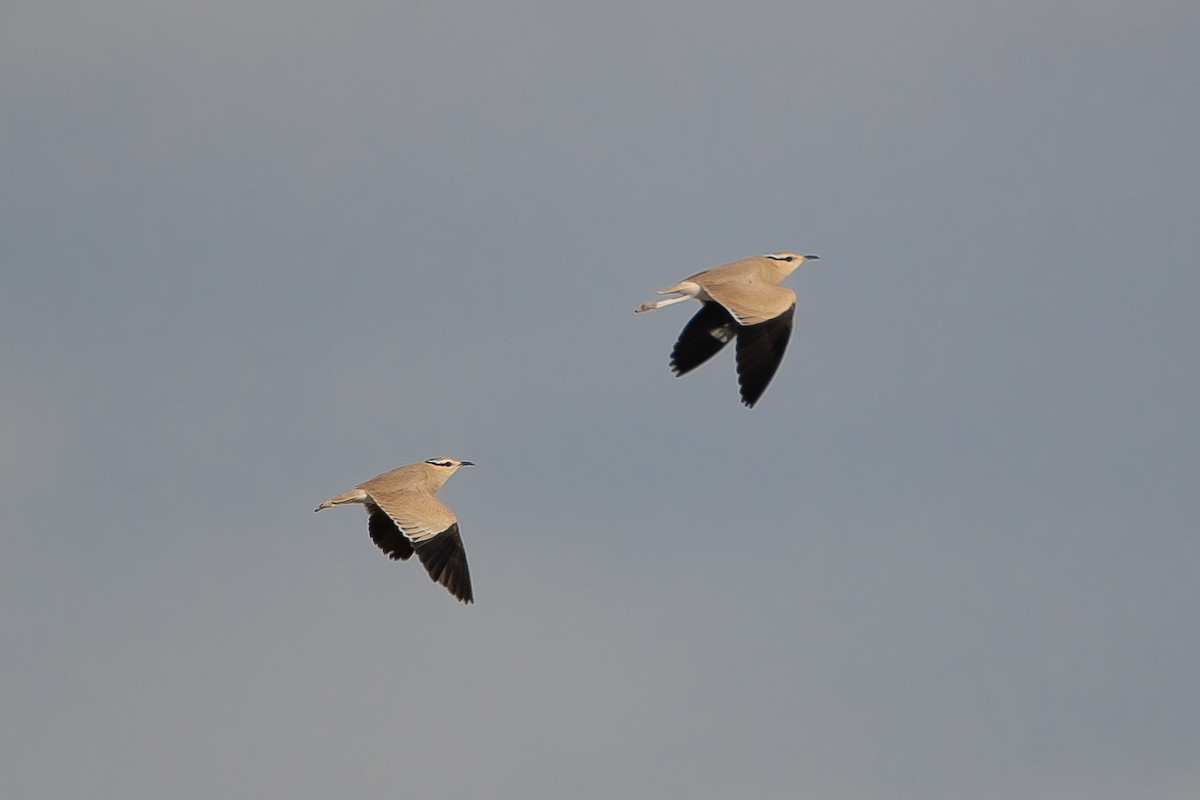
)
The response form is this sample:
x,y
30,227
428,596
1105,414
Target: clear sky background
x,y
256,252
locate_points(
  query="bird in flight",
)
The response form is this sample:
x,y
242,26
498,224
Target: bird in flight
x,y
406,517
742,300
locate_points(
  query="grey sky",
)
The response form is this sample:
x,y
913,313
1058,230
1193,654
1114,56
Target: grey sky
x,y
254,253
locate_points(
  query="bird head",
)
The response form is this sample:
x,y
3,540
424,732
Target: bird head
x,y
789,261
443,468
447,464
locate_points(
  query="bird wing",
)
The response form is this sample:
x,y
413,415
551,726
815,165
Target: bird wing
x,y
387,537
750,299
445,559
430,529
703,337
760,349
417,513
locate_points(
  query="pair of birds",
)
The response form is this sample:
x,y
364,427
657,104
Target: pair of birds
x,y
742,300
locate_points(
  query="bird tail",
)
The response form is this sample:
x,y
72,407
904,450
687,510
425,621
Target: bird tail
x,y
352,496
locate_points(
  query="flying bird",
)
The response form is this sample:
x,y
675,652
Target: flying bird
x,y
406,517
742,300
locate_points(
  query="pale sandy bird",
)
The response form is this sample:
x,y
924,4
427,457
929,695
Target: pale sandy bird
x,y
742,299
406,517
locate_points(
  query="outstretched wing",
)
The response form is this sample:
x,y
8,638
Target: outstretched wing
x,y
445,559
760,349
430,529
702,338
749,299
387,537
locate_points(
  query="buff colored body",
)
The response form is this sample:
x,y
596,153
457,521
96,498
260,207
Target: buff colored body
x,y
406,517
742,300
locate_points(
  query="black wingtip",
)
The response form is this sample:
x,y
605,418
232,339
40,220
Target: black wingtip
x,y
702,338
760,350
750,397
445,559
387,537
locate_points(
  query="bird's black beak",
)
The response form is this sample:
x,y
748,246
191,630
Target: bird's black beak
x,y
812,258
466,463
